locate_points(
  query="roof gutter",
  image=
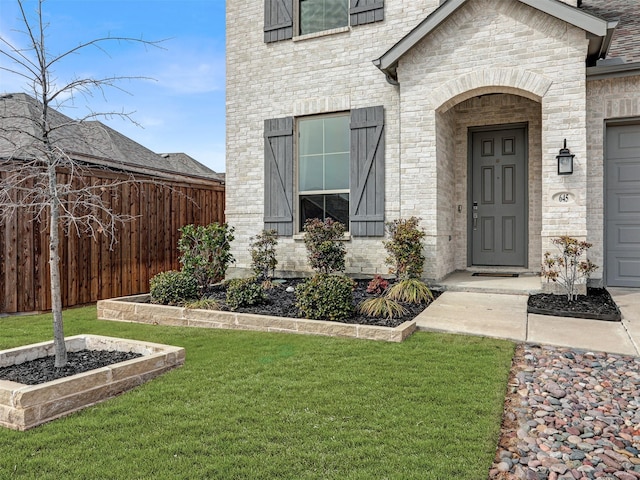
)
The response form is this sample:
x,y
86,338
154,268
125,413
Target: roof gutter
x,y
603,72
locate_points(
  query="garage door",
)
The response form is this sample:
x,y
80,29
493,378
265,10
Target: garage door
x,y
622,219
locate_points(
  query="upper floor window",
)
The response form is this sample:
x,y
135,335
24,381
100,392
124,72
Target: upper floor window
x,y
319,15
316,16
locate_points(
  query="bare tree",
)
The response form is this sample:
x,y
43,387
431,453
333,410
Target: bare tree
x,y
41,174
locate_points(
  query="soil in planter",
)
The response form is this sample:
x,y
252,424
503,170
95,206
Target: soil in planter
x,y
41,370
281,303
596,304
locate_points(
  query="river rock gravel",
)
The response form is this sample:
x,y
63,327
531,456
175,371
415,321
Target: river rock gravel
x,y
570,415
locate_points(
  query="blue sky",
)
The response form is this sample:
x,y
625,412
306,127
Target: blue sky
x,y
182,108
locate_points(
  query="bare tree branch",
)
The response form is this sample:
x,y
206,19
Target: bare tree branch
x,y
39,173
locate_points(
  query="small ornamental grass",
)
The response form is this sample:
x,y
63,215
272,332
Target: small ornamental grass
x,y
383,307
411,290
203,304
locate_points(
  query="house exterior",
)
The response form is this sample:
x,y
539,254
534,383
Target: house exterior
x,y
161,192
453,111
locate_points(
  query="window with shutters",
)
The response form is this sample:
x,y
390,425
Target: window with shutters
x,y
319,15
323,168
311,16
337,171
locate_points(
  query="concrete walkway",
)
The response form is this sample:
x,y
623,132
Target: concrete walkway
x,y
497,307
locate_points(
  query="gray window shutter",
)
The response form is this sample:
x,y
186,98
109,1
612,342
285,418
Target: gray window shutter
x,y
278,20
366,11
278,175
366,200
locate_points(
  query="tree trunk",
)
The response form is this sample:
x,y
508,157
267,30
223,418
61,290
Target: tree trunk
x,y
54,269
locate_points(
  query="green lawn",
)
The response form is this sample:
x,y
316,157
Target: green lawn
x,y
249,405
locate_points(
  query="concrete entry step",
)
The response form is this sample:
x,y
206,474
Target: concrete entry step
x,y
524,284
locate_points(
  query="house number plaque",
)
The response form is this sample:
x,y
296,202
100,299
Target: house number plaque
x,y
563,197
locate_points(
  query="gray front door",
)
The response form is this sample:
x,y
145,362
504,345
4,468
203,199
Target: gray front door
x,y
498,197
622,220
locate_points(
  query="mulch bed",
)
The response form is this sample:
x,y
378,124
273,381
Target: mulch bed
x,y
41,370
281,303
597,304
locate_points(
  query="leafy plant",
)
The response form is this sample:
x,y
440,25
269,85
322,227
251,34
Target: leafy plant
x,y
377,285
405,248
173,288
244,292
566,268
263,254
325,250
410,290
205,252
381,307
326,297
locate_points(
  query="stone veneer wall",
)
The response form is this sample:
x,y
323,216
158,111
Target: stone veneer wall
x,y
487,46
497,46
318,73
609,99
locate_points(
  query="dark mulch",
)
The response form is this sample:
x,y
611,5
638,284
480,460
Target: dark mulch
x,y
41,370
596,304
281,303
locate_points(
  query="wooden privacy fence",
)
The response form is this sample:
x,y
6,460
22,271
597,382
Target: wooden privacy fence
x,y
90,271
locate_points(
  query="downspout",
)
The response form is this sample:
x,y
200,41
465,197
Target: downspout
x,y
394,81
399,147
606,42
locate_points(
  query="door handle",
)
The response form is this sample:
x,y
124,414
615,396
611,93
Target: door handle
x,y
475,220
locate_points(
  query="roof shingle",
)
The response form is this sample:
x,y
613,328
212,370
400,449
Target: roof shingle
x,y
90,141
626,39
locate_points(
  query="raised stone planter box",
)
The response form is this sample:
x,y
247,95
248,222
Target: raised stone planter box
x,y
26,406
137,309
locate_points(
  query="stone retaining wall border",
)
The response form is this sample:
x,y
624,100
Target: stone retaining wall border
x,y
132,309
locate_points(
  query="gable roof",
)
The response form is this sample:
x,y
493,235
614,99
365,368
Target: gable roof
x,y
91,142
599,31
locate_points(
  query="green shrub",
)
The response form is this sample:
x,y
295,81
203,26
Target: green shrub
x,y
411,290
567,268
205,252
263,254
326,297
381,307
325,250
173,288
405,248
244,292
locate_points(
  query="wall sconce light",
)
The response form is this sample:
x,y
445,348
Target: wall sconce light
x,y
565,160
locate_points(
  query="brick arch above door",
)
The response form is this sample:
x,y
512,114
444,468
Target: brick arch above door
x,y
490,80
